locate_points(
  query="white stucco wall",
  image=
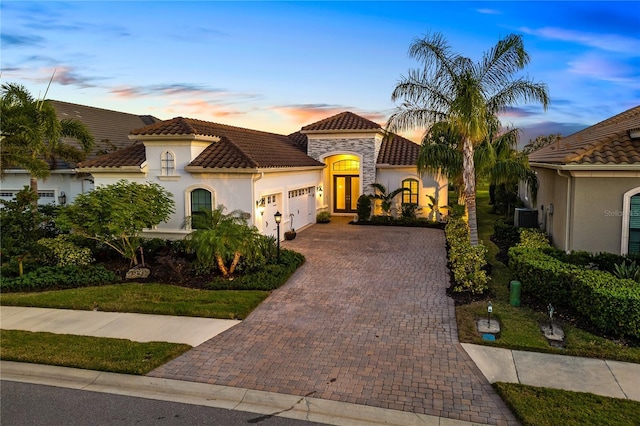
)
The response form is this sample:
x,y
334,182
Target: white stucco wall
x,y
392,177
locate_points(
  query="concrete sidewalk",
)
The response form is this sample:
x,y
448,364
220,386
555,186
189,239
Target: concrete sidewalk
x,y
601,377
135,327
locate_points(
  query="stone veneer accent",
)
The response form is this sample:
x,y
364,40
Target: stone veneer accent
x,y
368,148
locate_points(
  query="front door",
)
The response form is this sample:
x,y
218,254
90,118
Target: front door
x,y
346,193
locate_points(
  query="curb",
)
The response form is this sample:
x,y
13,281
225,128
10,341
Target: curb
x,y
269,404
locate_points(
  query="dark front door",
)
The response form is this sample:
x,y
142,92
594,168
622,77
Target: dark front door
x,y
346,190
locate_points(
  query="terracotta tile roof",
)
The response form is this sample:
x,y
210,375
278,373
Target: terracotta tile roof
x,y
343,121
110,129
607,142
299,140
237,148
133,155
398,151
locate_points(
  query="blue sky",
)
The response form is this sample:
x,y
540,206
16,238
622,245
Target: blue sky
x,y
277,66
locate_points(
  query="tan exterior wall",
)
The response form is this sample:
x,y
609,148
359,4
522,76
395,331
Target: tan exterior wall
x,y
595,207
598,214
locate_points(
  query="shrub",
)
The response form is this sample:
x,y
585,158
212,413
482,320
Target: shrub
x,y
505,233
323,217
62,251
533,238
268,278
409,210
628,270
152,247
610,303
59,277
364,208
466,261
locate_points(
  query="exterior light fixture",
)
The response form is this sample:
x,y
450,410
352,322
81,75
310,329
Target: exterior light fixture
x,y
278,219
260,205
489,311
319,189
62,198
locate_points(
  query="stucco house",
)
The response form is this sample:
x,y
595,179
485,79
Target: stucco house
x,y
326,165
110,130
589,187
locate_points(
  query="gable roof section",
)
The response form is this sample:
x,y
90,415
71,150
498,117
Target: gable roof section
x,y
344,121
238,147
607,143
110,129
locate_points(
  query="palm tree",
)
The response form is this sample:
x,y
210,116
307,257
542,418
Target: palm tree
x,y
386,198
32,135
219,236
466,96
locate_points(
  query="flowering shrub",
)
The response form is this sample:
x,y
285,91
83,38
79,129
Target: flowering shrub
x,y
466,261
64,252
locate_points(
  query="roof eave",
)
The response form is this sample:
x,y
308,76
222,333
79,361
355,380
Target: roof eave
x,y
163,138
250,170
556,166
320,132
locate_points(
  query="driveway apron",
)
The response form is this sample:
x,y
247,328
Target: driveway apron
x,y
365,320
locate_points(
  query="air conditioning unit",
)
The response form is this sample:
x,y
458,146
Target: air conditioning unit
x,y
526,218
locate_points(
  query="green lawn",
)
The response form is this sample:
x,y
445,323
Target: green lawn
x,y
145,299
551,407
92,353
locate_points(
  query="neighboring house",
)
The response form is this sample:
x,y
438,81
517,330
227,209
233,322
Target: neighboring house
x,y
327,165
110,130
589,196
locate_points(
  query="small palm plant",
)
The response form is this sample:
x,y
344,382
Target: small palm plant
x,y
629,270
386,198
221,237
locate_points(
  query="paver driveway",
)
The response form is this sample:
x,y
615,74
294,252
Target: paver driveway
x,y
365,320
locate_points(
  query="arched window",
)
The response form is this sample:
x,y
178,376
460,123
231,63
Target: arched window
x,y
168,163
346,166
631,222
201,201
410,196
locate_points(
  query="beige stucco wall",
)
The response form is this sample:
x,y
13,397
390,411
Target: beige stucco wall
x,y
594,203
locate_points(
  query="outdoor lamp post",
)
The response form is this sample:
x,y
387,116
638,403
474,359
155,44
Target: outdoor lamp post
x,y
278,219
489,311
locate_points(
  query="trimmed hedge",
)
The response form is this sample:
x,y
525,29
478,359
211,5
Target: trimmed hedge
x,y
466,261
59,277
612,304
268,278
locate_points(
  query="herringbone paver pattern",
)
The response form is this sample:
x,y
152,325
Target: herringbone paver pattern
x,y
365,320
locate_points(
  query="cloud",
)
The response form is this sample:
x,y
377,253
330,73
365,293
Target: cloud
x,y
16,40
181,89
304,114
489,11
201,109
602,68
67,76
545,128
518,112
609,42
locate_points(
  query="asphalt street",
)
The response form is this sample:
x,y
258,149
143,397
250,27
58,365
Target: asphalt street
x,y
29,404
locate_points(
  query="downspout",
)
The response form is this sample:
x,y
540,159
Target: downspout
x,y
568,207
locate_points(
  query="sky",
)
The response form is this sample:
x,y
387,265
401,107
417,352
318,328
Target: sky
x,y
277,66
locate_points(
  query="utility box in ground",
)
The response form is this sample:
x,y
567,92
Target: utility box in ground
x,y
514,293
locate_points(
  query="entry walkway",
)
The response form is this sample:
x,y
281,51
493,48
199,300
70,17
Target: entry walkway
x,y
365,320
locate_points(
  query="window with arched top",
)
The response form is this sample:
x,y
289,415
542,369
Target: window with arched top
x,y
168,163
631,222
410,195
201,201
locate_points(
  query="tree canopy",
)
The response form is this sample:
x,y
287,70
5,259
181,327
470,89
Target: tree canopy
x,y
117,214
464,97
31,134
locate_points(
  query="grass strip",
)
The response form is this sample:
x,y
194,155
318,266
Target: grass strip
x,y
544,406
92,353
158,299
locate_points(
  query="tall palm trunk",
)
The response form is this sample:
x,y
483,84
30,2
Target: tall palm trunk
x,y
33,184
469,178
